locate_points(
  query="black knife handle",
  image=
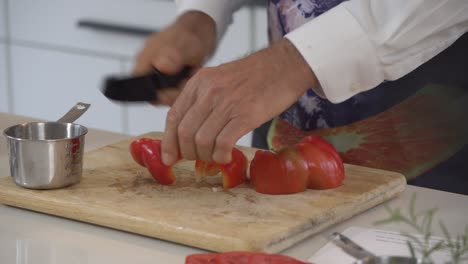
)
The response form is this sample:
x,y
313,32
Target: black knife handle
x,y
167,81
142,88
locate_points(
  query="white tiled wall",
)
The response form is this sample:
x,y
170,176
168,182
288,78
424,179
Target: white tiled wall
x,y
3,79
48,83
2,19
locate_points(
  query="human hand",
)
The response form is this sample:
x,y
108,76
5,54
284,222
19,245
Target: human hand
x,y
220,104
187,42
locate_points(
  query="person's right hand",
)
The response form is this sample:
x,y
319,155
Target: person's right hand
x,y
186,42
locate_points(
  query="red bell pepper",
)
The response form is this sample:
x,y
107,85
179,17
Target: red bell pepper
x,y
152,159
234,172
312,163
284,172
147,153
136,149
326,169
240,258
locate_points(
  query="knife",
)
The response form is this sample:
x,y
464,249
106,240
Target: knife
x,y
141,88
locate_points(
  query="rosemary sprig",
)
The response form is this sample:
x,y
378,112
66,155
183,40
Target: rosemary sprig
x,y
421,222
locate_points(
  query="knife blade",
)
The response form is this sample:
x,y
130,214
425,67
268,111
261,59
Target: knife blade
x,y
141,88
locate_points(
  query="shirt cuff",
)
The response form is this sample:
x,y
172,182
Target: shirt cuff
x,y
339,53
216,9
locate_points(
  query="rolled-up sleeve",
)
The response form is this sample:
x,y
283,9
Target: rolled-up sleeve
x,y
220,11
360,43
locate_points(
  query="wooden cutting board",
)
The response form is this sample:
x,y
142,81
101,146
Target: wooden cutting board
x,y
115,192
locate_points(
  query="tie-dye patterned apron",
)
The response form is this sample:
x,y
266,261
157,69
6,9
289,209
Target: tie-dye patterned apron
x,y
417,125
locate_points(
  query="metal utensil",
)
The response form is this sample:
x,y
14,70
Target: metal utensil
x,y
365,257
47,155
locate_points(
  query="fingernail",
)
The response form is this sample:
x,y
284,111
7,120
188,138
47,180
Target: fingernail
x,y
167,159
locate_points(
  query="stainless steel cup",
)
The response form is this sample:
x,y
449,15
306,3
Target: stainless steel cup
x,y
47,155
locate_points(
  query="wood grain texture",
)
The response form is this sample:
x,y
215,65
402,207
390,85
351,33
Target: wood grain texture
x,y
115,192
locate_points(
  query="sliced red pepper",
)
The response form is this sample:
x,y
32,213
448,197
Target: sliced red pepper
x,y
234,172
326,168
240,258
147,153
136,149
151,152
204,168
324,145
284,172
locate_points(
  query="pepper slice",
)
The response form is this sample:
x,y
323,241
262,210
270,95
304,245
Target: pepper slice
x,y
234,172
151,152
147,153
136,149
326,169
284,172
313,163
240,258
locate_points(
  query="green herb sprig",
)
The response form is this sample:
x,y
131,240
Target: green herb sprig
x,y
421,222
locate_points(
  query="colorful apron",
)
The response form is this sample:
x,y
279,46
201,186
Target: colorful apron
x,y
417,125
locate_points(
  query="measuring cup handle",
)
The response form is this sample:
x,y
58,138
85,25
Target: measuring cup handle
x,y
74,113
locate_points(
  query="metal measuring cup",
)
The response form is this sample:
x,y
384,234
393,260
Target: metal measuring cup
x,y
47,155
363,256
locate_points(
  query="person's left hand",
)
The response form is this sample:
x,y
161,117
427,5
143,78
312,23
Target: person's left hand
x,y
221,104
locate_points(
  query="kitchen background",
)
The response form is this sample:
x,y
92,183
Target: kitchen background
x,y
54,53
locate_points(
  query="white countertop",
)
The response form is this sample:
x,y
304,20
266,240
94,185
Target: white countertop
x,y
28,237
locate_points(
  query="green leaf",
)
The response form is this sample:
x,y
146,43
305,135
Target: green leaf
x,y
412,206
415,240
422,223
438,246
411,248
384,222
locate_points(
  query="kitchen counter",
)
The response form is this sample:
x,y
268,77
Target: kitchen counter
x,y
28,237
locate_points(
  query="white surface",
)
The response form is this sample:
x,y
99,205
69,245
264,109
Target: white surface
x,y
27,237
236,41
54,22
46,84
379,242
3,80
261,28
2,19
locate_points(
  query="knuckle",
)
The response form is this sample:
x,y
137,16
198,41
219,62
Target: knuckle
x,y
202,141
214,89
184,133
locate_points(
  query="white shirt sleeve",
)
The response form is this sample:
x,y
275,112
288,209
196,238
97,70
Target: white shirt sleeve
x,y
360,43
220,11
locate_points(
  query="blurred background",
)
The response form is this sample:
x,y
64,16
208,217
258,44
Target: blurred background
x,y
54,53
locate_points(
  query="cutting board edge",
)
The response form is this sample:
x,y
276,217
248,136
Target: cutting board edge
x,y
283,243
